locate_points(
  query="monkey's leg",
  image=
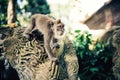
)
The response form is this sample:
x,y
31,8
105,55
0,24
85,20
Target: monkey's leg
x,y
29,29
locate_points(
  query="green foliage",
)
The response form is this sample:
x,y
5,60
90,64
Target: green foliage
x,y
3,11
82,43
37,6
26,8
95,64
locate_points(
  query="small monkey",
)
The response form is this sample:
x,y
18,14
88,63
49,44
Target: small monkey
x,y
49,27
57,49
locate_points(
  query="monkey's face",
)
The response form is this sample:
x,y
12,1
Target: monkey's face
x,y
58,28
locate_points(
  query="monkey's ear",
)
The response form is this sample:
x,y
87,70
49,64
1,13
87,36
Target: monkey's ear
x,y
58,21
50,23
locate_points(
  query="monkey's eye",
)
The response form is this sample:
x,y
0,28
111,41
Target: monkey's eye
x,y
51,23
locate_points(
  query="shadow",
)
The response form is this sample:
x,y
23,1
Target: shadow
x,y
7,72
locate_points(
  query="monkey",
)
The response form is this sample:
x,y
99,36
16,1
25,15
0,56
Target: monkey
x,y
57,47
49,27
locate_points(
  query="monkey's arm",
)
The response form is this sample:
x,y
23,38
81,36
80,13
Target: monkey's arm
x,y
47,39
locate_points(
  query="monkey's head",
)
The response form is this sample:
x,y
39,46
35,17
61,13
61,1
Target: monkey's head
x,y
58,28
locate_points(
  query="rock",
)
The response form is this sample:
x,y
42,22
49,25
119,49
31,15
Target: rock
x,y
112,37
30,60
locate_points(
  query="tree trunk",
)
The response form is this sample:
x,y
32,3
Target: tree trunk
x,y
11,11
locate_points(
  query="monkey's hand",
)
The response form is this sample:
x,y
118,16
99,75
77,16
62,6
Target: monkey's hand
x,y
54,59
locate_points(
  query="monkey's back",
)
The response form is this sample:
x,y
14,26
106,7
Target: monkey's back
x,y
42,22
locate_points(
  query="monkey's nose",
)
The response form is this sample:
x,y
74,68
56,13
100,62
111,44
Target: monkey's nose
x,y
63,29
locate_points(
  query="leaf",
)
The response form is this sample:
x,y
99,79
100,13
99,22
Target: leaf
x,y
94,69
105,60
77,31
98,45
82,46
81,54
93,61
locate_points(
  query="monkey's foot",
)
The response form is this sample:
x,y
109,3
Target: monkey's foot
x,y
26,36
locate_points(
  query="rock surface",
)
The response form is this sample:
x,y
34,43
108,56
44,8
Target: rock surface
x,y
112,37
30,59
